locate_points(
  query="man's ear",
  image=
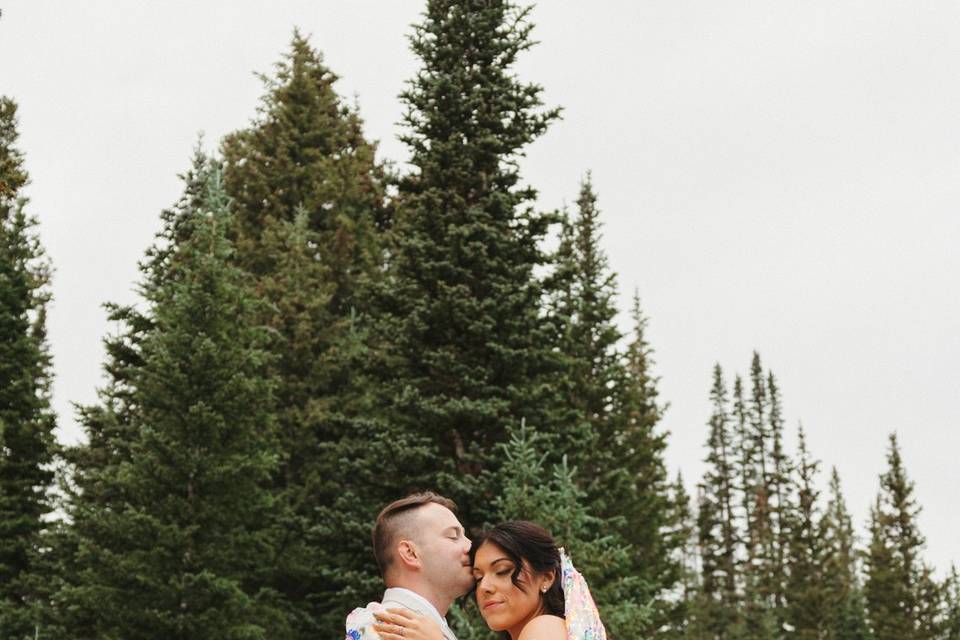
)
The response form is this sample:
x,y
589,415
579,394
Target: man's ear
x,y
408,554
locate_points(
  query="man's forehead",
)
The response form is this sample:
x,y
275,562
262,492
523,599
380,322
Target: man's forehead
x,y
438,515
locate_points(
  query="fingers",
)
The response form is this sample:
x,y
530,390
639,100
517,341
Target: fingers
x,y
402,624
389,631
406,613
395,617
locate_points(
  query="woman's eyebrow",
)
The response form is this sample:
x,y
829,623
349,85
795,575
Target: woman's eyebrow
x,y
493,562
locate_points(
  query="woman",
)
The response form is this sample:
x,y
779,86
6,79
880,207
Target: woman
x,y
526,588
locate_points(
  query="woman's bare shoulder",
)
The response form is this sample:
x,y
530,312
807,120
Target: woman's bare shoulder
x,y
545,627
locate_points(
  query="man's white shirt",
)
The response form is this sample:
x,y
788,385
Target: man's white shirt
x,y
361,619
406,599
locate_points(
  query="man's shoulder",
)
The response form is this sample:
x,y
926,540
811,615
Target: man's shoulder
x,y
360,622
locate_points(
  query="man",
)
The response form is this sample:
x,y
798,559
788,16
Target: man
x,y
422,551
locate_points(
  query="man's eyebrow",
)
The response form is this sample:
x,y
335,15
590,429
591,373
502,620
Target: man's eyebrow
x,y
456,528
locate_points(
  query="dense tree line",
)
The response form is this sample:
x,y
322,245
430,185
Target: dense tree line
x,y
318,335
776,559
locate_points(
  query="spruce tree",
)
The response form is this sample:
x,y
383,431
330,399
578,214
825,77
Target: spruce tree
x,y
846,615
780,492
683,531
746,468
27,443
896,574
616,394
306,152
638,447
951,594
757,418
177,545
806,598
590,336
717,530
460,346
762,567
110,426
308,197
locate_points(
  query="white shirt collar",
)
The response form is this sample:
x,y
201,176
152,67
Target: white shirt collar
x,y
413,600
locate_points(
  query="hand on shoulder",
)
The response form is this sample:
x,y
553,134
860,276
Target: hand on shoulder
x,y
545,627
361,621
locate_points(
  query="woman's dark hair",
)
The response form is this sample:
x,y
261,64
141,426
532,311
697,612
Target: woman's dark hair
x,y
522,540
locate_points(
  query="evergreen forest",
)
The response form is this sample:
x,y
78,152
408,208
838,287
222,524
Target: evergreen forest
x,y
319,333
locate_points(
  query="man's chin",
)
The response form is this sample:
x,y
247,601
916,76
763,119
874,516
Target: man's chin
x,y
465,587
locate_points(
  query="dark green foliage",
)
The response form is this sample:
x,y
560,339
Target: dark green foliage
x,y
461,348
717,529
639,445
305,153
584,289
308,199
175,543
846,611
683,530
764,474
27,445
761,569
550,496
615,393
780,492
898,587
807,601
951,598
111,425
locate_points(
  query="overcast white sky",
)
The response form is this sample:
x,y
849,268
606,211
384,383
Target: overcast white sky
x,y
774,175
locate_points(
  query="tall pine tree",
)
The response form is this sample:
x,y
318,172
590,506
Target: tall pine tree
x,y
951,594
461,346
846,613
616,394
27,443
306,152
896,574
638,446
718,612
176,544
806,599
308,197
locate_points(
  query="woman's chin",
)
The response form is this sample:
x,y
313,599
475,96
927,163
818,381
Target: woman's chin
x,y
494,623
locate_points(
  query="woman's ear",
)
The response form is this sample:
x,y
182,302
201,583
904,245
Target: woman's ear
x,y
548,581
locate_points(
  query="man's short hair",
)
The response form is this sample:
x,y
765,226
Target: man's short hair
x,y
394,519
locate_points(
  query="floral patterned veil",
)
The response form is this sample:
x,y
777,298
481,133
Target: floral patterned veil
x,y
580,611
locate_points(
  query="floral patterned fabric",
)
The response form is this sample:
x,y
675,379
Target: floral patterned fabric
x,y
580,611
360,622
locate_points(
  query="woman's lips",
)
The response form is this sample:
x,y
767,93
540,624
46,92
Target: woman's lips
x,y
490,605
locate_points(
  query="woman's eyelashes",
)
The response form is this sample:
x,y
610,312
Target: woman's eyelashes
x,y
477,577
